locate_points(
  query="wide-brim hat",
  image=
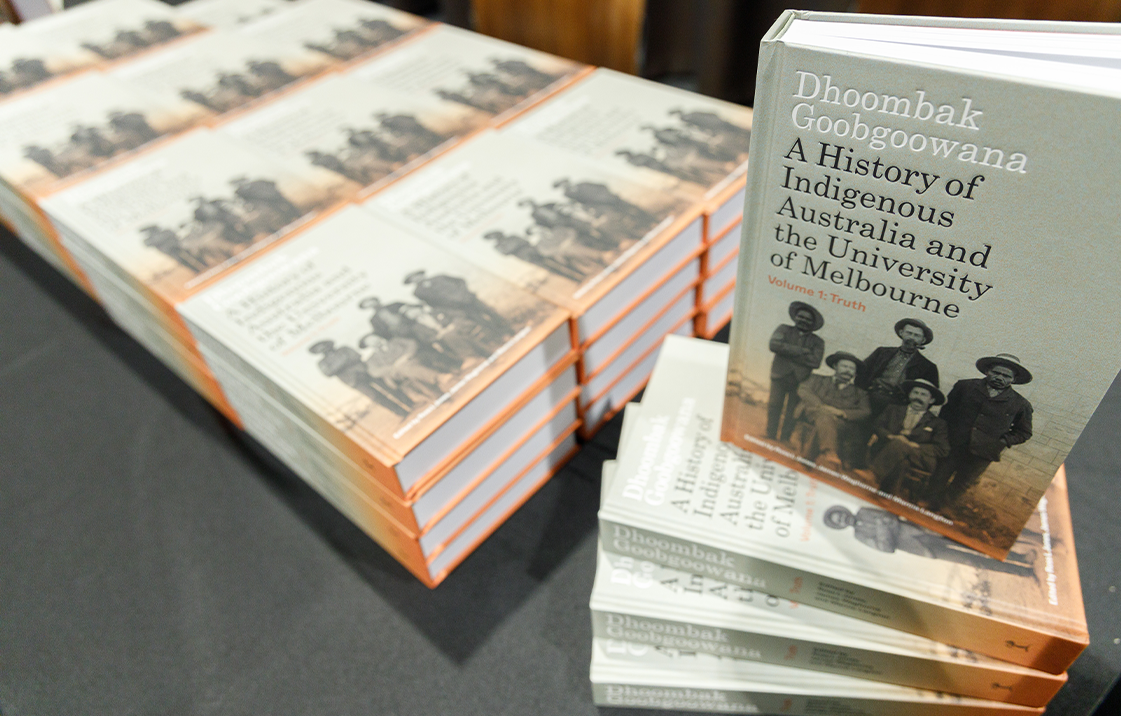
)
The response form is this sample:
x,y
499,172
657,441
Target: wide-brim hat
x,y
414,276
321,347
796,306
928,335
1022,374
909,385
831,361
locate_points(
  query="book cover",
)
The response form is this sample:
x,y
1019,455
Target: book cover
x,y
114,30
367,135
641,602
373,335
178,215
494,77
925,262
548,220
632,124
48,137
221,71
641,676
332,32
27,60
685,499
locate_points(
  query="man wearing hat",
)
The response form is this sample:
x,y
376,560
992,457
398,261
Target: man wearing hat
x,y
908,439
835,406
985,416
886,368
797,353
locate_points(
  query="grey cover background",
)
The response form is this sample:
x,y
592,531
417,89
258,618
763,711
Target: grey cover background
x,y
154,561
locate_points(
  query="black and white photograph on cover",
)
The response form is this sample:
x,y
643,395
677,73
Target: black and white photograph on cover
x,y
348,43
130,40
373,152
90,145
880,417
576,237
23,72
416,350
499,87
229,90
221,227
697,146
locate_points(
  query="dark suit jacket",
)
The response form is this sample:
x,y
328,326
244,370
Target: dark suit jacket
x,y
796,354
919,367
983,424
931,433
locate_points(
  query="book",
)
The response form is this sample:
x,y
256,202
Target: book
x,y
640,676
400,354
496,78
640,602
114,30
920,196
28,60
367,135
684,499
700,144
332,32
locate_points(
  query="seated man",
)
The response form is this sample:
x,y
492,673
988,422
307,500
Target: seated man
x,y
835,407
908,438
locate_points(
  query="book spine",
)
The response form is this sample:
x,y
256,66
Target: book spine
x,y
967,630
976,680
619,693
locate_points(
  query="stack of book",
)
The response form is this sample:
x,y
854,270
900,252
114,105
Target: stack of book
x,y
860,505
412,261
729,583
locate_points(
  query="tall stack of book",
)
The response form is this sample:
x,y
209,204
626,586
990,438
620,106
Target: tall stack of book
x,y
861,506
388,249
729,583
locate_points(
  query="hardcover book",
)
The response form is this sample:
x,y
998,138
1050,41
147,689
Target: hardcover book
x,y
380,342
496,78
332,32
926,260
686,500
641,676
634,124
366,135
641,602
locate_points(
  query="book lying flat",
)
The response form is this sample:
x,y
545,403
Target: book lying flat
x,y
923,192
332,32
368,135
226,14
28,61
496,78
640,676
400,353
700,144
641,602
684,499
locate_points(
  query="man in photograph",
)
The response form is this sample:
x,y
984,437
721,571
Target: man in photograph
x,y
887,367
797,353
908,440
985,417
835,408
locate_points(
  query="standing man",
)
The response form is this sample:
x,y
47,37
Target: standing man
x,y
886,368
797,353
908,439
836,408
985,416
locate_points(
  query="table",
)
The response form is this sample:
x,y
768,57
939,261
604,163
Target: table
x,y
155,561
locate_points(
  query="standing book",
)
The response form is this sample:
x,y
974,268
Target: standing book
x,y
925,228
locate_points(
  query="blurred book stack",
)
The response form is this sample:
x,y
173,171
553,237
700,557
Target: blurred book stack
x,y
412,261
729,583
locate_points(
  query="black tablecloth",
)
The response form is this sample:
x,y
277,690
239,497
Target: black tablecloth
x,y
154,561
